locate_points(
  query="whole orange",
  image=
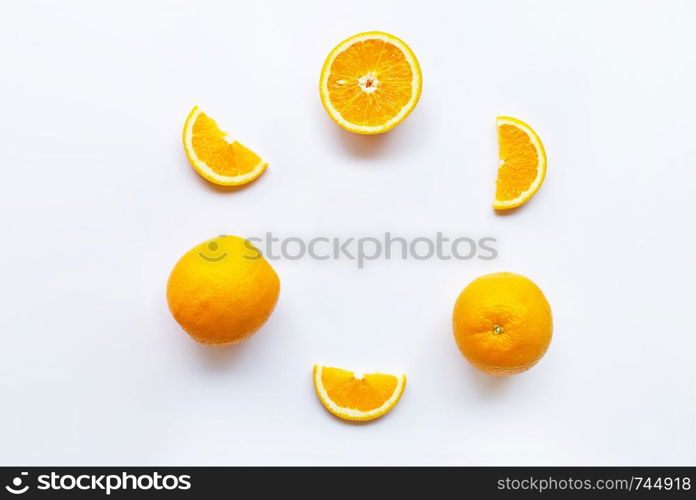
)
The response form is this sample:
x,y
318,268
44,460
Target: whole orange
x,y
502,323
222,290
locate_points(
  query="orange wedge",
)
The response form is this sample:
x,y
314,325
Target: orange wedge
x,y
370,82
354,397
522,163
215,155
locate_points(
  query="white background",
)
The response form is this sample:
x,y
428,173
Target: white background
x,y
97,202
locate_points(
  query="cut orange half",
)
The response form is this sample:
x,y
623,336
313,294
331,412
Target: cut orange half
x,y
370,83
215,155
522,163
354,397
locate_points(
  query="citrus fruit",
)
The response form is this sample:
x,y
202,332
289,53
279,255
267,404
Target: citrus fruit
x,y
357,397
502,323
215,155
522,163
370,82
222,290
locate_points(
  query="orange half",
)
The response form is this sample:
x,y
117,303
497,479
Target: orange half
x,y
354,397
370,82
215,155
522,163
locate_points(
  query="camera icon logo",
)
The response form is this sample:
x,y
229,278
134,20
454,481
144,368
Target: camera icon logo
x,y
16,487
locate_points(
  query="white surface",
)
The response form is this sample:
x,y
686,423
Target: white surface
x,y
98,202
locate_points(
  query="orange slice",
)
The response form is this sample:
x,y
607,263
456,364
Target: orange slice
x,y
215,155
370,83
522,163
354,397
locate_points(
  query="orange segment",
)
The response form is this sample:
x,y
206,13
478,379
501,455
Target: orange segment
x,y
370,82
216,156
357,397
522,163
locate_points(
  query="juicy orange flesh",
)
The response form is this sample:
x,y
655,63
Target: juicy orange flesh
x,y
364,394
222,157
520,163
384,68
